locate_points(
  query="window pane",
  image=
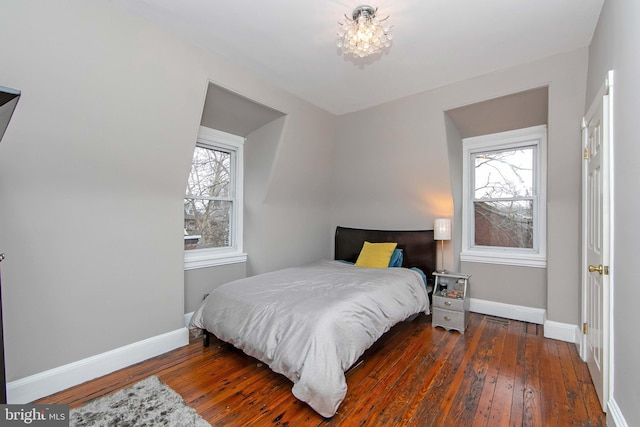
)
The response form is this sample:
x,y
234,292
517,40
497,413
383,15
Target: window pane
x,y
504,224
210,173
503,174
206,223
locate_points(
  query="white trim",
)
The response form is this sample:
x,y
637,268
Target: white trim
x,y
43,384
197,259
511,258
562,331
612,238
555,330
508,311
218,137
535,136
614,414
201,258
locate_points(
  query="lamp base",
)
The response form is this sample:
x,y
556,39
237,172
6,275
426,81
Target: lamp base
x,y
442,270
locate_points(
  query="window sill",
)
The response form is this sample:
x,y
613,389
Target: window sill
x,y
203,259
503,258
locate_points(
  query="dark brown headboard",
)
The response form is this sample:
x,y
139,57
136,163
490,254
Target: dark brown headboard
x,y
418,247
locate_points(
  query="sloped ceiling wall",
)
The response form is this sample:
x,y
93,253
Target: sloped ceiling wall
x,y
92,175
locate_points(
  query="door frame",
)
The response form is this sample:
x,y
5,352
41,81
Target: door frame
x,y
605,90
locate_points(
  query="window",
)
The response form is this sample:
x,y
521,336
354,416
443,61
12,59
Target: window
x,y
213,201
504,205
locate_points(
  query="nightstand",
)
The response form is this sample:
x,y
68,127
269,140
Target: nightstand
x,y
451,301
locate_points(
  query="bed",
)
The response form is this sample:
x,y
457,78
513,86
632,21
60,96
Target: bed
x,y
312,323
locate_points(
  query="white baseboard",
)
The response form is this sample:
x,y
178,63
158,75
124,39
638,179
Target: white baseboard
x,y
39,385
555,330
614,415
508,311
562,331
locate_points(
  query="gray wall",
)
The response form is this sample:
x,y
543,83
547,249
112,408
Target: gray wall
x,y
454,148
92,175
508,284
201,281
392,170
261,149
615,46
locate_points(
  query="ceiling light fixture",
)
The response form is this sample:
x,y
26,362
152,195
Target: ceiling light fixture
x,y
364,34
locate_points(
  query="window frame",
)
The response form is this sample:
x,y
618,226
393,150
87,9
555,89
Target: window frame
x,y
209,257
536,137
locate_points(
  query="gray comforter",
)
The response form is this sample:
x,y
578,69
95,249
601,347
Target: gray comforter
x,y
312,323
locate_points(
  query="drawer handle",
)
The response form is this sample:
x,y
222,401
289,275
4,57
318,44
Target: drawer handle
x,y
447,303
447,318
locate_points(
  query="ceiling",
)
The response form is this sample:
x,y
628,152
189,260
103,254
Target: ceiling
x,y
292,43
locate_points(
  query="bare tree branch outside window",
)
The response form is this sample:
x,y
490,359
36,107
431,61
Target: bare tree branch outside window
x,y
504,197
208,205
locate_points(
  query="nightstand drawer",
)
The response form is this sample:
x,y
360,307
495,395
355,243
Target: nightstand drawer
x,y
448,319
448,303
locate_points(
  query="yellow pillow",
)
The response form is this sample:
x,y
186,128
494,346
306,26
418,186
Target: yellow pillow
x,y
375,255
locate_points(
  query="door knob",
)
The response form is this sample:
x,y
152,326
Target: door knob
x,y
593,268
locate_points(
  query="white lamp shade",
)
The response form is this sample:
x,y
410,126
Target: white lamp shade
x,y
442,229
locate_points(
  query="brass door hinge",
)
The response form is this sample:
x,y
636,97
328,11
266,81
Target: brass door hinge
x,y
586,154
585,328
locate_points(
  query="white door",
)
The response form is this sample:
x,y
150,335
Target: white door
x,y
596,212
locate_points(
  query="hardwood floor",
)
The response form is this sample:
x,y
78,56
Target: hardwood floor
x,y
499,373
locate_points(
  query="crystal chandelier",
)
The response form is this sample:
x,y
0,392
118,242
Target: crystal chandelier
x,y
364,34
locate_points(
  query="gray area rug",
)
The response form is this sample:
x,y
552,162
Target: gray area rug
x,y
147,403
